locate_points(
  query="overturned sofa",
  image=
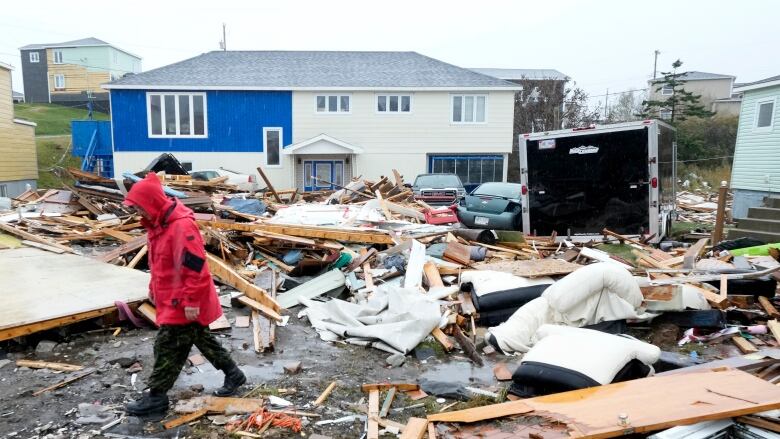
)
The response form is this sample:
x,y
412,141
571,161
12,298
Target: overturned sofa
x,y
595,294
566,358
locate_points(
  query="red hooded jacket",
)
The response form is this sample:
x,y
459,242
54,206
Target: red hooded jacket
x,y
177,258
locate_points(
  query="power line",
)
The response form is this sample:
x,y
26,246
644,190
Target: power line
x,y
74,62
703,160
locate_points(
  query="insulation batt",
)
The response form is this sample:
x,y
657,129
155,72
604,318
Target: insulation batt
x,y
592,294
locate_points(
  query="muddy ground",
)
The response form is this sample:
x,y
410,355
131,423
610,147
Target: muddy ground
x,y
55,414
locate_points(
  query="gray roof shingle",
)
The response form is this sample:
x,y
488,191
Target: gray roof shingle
x,y
309,69
517,74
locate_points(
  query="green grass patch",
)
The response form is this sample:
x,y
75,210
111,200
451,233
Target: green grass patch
x,y
53,119
54,154
622,251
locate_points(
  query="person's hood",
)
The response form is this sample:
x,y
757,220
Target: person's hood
x,y
148,194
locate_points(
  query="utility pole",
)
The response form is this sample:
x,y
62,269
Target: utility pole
x,y
224,40
655,62
606,105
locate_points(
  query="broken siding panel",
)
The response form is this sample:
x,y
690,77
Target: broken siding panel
x,y
756,163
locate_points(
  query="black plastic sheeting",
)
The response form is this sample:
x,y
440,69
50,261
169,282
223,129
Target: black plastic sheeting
x,y
706,319
738,243
762,286
164,162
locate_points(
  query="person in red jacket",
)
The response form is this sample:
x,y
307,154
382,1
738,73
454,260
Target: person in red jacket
x,y
183,292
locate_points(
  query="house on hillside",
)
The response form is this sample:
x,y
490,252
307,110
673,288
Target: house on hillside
x,y
755,172
716,91
313,120
71,72
19,166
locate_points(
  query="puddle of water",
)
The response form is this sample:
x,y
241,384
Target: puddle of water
x,y
212,378
463,372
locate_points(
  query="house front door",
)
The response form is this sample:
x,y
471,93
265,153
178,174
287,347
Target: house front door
x,y
319,175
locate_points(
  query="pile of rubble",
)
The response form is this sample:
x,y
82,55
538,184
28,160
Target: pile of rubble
x,y
366,265
700,207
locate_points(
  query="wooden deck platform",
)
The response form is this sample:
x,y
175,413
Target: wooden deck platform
x,y
40,290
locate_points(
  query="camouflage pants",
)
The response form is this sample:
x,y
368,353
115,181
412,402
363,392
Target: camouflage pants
x,y
172,347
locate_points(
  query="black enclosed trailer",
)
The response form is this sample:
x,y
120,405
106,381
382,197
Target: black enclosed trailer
x,y
576,182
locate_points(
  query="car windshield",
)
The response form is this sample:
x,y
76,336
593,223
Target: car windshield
x,y
504,190
437,181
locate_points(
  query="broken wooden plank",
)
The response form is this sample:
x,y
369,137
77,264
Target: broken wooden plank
x,y
336,234
257,335
64,382
744,345
467,345
774,326
257,306
388,402
325,393
431,430
35,238
373,413
124,249
138,256
443,339
216,404
457,252
34,364
415,428
768,307
228,276
149,312
647,258
269,185
403,387
364,257
432,275
693,253
383,205
714,299
46,247
185,419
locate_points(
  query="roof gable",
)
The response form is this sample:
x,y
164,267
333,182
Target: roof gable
x,y
286,70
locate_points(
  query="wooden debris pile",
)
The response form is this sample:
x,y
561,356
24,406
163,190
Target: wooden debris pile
x,y
700,207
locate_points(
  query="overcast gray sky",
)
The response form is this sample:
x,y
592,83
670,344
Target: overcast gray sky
x,y
600,44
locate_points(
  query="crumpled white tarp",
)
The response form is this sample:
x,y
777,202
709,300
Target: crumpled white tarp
x,y
489,281
592,294
393,319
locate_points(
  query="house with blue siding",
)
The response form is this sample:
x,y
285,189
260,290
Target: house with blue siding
x,y
313,120
755,172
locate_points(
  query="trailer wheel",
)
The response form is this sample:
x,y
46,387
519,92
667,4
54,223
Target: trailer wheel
x,y
668,226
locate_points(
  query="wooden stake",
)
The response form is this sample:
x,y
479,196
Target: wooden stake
x,y
47,365
270,186
185,419
63,383
720,216
388,402
373,412
324,395
744,345
768,307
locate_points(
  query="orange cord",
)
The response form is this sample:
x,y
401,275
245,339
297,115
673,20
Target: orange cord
x,y
262,417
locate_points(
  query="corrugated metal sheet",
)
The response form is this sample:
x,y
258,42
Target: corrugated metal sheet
x,y
757,156
235,122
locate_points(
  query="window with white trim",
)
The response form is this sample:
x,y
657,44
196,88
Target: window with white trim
x,y
667,90
35,57
334,103
272,145
469,108
393,103
177,115
765,114
665,114
59,82
57,57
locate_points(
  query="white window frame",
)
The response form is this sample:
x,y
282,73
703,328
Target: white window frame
x,y
338,103
463,103
54,56
663,90
35,57
59,81
771,125
281,145
662,111
387,103
178,128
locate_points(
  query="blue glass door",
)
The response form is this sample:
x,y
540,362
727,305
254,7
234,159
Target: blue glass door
x,y
320,175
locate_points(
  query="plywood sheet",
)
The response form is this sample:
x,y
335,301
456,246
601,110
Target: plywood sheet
x,y
532,268
648,404
39,288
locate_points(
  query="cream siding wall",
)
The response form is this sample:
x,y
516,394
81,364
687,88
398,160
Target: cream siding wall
x,y
403,141
757,155
709,89
17,141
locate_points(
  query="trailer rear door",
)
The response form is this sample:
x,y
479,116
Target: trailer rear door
x,y
583,183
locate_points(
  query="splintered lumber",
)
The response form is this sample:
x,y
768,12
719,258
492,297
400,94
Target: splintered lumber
x,y
622,238
364,257
286,268
257,306
415,428
467,345
32,364
693,253
35,238
257,335
714,299
768,307
442,338
687,398
228,276
403,387
432,275
532,268
185,419
647,258
373,414
658,292
325,393
774,326
457,252
269,185
216,404
744,345
383,204
336,234
138,256
388,402
124,249
756,421
64,382
149,312
431,430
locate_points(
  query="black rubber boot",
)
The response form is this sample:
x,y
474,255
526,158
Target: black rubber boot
x,y
234,379
149,404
